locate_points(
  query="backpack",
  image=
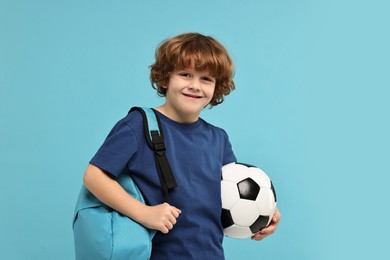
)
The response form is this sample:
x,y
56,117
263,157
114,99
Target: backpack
x,y
103,233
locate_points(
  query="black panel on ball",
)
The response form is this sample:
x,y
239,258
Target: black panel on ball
x,y
248,189
226,218
259,224
273,191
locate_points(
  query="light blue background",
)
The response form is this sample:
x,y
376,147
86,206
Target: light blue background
x,y
311,109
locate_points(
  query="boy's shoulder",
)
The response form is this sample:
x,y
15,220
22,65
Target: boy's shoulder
x,y
133,120
212,126
216,130
133,116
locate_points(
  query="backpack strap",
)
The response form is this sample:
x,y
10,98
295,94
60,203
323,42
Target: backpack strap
x,y
155,138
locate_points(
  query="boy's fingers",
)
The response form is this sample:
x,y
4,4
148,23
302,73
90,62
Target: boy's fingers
x,y
169,225
268,230
176,212
258,236
172,220
277,216
173,207
164,230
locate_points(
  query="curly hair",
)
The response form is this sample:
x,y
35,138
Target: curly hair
x,y
196,51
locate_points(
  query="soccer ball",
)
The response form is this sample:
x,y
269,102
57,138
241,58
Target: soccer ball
x,y
248,200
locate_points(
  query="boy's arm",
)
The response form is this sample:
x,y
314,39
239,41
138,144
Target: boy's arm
x,y
160,217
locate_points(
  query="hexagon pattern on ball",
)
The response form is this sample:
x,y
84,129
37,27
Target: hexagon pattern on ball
x,y
248,200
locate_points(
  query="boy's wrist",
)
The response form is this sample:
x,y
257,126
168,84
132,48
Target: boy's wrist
x,y
138,212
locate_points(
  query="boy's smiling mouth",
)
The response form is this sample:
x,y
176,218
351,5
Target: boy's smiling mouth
x,y
192,96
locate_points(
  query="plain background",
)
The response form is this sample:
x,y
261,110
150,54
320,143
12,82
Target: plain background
x,y
311,108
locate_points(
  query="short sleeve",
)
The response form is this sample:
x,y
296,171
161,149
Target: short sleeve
x,y
117,149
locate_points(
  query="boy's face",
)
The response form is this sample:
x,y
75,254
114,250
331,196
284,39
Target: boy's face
x,y
188,92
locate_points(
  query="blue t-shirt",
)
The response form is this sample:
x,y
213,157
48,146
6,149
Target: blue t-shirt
x,y
196,153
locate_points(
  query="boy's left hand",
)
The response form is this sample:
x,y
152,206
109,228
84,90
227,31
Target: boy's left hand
x,y
270,229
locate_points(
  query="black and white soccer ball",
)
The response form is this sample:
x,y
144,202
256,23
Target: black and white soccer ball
x,y
248,200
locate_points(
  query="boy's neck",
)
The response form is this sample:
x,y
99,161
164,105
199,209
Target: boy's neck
x,y
176,115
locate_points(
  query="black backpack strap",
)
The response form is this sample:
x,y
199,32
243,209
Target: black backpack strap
x,y
155,138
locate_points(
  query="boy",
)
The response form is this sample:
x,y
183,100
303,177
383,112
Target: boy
x,y
191,71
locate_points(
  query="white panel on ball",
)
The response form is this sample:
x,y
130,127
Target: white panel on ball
x,y
236,231
230,194
260,177
245,212
264,200
234,172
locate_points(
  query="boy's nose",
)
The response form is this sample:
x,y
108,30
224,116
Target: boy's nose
x,y
195,84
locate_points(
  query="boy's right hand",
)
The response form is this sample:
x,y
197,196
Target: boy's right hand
x,y
161,217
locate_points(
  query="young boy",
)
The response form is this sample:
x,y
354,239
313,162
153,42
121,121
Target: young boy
x,y
191,71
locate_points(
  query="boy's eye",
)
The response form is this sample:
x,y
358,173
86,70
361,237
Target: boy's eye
x,y
184,74
209,79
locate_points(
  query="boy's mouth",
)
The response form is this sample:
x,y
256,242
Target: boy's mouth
x,y
192,96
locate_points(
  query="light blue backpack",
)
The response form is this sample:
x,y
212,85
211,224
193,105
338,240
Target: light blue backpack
x,y
103,233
